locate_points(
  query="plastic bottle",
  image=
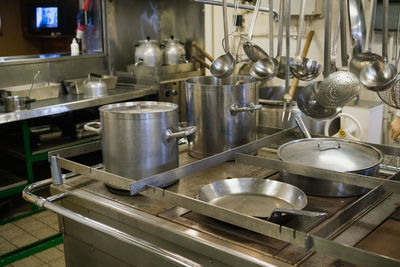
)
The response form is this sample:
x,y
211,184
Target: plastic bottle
x,y
74,48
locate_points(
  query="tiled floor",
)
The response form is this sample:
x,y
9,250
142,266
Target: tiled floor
x,y
29,230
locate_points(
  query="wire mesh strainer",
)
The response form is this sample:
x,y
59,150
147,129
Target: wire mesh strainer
x,y
391,97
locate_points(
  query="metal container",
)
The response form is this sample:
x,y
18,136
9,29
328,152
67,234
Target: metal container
x,y
139,139
16,103
270,115
148,53
94,88
223,112
333,154
174,52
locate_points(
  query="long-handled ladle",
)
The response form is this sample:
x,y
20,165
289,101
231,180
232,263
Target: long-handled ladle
x,y
224,65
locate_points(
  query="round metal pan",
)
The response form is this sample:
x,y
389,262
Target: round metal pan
x,y
253,196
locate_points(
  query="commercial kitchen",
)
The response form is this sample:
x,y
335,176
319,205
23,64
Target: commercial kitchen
x,y
199,133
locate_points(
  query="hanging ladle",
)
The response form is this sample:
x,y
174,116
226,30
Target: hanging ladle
x,y
266,68
303,68
361,60
224,65
380,75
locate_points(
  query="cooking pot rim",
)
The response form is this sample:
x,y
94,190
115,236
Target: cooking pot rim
x,y
113,109
379,153
202,80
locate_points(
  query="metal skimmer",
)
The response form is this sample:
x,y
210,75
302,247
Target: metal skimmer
x,y
341,86
253,52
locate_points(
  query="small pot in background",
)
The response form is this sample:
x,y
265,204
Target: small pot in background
x,y
16,103
174,52
94,88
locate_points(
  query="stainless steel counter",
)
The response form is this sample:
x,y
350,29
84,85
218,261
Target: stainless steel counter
x,y
68,102
186,229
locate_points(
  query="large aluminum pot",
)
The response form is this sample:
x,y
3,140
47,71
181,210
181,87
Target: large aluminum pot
x,y
139,139
270,115
332,154
148,53
223,111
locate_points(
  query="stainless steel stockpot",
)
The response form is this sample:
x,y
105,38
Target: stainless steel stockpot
x,y
223,112
332,154
139,139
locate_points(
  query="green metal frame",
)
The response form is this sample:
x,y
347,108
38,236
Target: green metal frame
x,y
31,249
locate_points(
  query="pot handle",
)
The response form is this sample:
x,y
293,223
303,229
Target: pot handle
x,y
183,132
250,107
93,126
31,100
326,145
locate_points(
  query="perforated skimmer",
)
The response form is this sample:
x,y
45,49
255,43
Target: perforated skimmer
x,y
341,86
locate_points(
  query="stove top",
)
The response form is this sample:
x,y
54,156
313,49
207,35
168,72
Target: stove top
x,y
258,242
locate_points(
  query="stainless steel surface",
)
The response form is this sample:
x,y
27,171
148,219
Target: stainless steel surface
x,y
148,53
223,66
341,86
65,103
357,24
94,201
361,60
154,18
174,175
253,196
320,245
241,6
156,251
380,75
212,107
173,52
139,139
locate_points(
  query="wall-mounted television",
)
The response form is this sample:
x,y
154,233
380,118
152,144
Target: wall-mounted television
x,y
50,17
46,17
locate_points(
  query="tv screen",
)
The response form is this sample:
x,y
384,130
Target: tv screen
x,y
46,17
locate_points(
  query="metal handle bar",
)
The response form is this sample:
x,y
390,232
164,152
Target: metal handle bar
x,y
47,203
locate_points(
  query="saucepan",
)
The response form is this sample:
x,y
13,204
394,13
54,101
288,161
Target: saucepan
x,y
334,154
16,103
257,197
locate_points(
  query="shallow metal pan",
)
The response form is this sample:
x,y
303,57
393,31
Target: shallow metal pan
x,y
256,197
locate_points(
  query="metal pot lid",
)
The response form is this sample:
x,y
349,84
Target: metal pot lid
x,y
139,108
332,154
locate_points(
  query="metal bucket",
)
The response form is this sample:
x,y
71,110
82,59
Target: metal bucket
x,y
139,139
223,111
